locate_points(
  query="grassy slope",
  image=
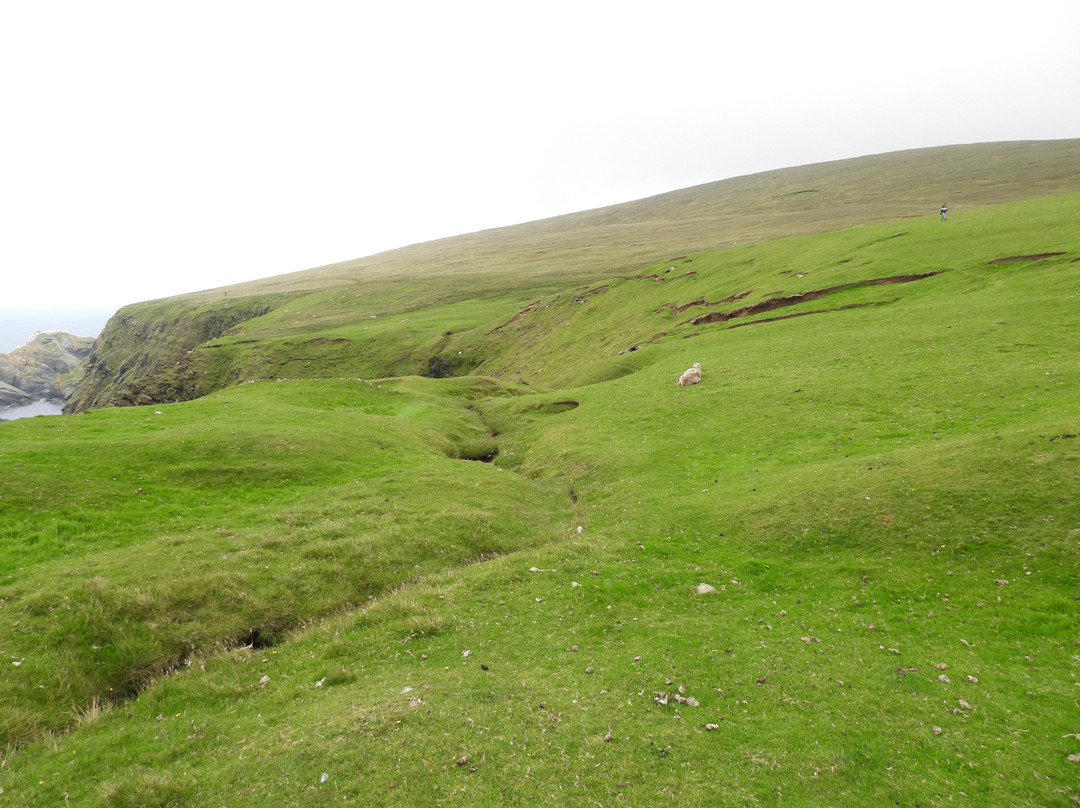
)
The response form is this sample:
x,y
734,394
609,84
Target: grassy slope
x,y
792,201
853,481
145,351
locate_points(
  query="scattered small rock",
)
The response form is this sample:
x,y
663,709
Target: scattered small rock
x,y
608,738
943,678
965,642
1000,582
706,589
463,760
964,705
589,669
937,730
662,697
712,726
1073,758
941,666
973,680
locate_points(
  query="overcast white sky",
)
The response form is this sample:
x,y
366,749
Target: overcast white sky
x,y
152,148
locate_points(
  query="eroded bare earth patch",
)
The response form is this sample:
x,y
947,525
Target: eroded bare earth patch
x,y
774,303
1012,259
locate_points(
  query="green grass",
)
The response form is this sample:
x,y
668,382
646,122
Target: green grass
x,y
317,599
232,519
183,347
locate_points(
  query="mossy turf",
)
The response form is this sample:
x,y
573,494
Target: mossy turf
x,y
309,591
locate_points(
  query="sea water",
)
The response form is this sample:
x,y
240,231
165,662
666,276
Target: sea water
x,y
17,326
31,410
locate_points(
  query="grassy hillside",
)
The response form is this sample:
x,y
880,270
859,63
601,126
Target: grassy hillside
x,y
478,591
564,250
157,352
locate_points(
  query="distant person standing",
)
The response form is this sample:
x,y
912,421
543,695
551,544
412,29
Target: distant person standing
x,y
944,211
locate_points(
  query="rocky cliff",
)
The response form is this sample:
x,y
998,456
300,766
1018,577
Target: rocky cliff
x,y
42,368
144,354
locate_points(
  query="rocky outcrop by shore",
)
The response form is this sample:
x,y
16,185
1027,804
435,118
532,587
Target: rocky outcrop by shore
x,y
41,368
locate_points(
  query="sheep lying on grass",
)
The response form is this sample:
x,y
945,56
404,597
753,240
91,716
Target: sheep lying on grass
x,y
691,376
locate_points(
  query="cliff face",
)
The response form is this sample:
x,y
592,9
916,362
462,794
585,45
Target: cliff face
x,y
40,369
144,354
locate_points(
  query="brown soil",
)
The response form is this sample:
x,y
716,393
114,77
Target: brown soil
x,y
680,309
1014,258
516,318
805,314
774,303
552,407
581,298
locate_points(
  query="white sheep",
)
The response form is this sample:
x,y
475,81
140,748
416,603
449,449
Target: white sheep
x,y
691,376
